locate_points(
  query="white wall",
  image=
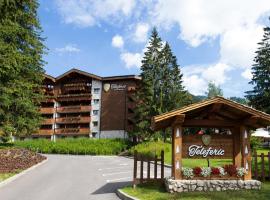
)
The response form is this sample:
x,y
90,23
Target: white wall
x,y
95,84
113,134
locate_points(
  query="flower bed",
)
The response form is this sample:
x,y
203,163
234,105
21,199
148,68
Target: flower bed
x,y
226,172
14,159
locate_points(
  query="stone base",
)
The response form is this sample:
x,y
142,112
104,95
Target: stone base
x,y
210,185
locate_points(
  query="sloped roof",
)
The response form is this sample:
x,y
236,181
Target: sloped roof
x,y
79,72
108,78
263,119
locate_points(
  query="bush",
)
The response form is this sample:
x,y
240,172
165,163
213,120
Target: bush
x,y
151,148
255,142
80,146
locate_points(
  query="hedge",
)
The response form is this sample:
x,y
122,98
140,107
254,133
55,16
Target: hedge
x,y
80,146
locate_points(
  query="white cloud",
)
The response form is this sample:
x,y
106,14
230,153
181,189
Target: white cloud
x,y
237,46
196,78
195,84
69,48
85,13
247,74
235,22
117,41
141,32
131,59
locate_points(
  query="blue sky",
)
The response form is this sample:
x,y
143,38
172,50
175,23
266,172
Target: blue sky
x,y
213,40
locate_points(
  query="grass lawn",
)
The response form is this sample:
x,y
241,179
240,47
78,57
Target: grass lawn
x,y
155,192
5,176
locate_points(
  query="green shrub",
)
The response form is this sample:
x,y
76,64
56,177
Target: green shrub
x,y
151,148
80,146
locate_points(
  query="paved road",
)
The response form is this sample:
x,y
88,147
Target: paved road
x,y
65,177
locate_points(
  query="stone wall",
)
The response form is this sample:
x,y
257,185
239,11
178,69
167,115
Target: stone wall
x,y
209,185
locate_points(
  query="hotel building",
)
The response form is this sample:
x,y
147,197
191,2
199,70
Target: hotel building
x,y
78,103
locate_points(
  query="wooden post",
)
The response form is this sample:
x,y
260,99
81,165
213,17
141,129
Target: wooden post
x,y
141,171
162,164
177,151
262,169
155,167
135,168
268,165
256,165
246,152
236,146
148,170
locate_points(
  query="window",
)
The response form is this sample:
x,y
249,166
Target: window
x,y
95,123
95,112
94,134
96,90
96,101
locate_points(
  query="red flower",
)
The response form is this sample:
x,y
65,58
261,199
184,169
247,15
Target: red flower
x,y
197,171
230,169
215,171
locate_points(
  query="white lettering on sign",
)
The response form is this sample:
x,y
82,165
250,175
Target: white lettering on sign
x,y
199,150
118,87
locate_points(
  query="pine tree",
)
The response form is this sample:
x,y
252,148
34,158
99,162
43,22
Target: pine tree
x,y
161,87
148,93
259,97
21,51
213,90
175,95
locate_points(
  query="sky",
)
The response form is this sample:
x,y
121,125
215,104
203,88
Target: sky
x,y
214,41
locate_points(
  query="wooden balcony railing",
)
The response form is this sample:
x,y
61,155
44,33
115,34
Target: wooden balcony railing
x,y
72,109
45,132
74,97
73,120
49,110
70,131
48,121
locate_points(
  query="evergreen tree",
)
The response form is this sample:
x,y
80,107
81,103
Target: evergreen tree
x,y
213,90
239,100
259,97
161,87
21,51
146,93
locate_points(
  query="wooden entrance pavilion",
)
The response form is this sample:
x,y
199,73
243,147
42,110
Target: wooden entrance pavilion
x,y
213,113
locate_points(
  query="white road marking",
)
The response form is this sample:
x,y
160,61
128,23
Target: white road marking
x,y
109,174
118,179
109,168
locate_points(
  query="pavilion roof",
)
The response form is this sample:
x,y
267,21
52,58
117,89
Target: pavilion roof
x,y
218,109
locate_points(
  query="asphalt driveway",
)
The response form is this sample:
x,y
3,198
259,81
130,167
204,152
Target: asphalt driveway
x,y
65,177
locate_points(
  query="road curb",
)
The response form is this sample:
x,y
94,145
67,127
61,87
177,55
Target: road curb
x,y
13,178
122,195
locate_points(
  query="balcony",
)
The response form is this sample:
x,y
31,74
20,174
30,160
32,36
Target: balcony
x,y
72,131
49,110
74,109
74,97
48,121
45,132
73,120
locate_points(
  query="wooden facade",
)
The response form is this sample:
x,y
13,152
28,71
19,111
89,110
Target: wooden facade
x,y
70,102
217,113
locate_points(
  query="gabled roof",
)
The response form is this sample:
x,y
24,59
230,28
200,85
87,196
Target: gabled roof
x,y
49,77
78,72
108,78
262,119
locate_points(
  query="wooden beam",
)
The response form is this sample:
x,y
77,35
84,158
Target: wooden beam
x,y
208,123
216,107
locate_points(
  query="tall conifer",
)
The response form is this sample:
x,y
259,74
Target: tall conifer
x,y
259,97
21,67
